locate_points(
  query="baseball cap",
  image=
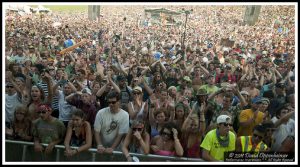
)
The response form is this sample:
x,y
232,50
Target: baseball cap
x,y
280,85
187,78
202,92
121,78
257,100
138,88
9,84
223,119
86,90
244,93
265,100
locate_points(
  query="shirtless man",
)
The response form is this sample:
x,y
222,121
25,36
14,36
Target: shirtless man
x,y
252,90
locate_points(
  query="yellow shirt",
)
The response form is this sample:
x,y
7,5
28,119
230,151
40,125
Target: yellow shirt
x,y
244,116
212,145
210,89
247,145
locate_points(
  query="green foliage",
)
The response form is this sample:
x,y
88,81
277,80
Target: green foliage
x,y
66,8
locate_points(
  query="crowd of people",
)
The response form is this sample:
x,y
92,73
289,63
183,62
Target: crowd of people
x,y
137,88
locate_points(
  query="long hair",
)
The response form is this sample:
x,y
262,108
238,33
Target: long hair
x,y
26,123
43,96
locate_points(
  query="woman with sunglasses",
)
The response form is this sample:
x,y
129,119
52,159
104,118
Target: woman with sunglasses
x,y
137,140
21,125
193,130
137,109
167,142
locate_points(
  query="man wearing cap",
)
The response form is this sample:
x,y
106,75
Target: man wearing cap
x,y
47,129
126,92
219,140
32,54
252,89
19,58
279,99
247,100
250,117
253,143
185,82
225,106
83,101
210,87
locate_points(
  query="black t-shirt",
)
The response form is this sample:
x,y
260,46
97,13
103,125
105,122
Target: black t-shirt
x,y
103,100
171,82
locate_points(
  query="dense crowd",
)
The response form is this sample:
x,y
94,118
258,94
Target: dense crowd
x,y
137,88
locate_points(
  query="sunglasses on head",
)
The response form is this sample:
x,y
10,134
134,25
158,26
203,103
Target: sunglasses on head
x,y
137,129
111,102
227,124
255,136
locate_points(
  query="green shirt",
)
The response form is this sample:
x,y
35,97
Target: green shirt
x,y
212,145
48,132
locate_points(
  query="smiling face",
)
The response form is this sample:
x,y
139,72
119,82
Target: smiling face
x,y
166,134
194,126
160,117
35,93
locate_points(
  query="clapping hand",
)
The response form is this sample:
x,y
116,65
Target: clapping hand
x,y
175,133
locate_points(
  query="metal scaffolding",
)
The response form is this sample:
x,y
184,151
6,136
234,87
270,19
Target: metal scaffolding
x,y
93,12
251,14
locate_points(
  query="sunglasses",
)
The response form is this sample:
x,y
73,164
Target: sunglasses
x,y
271,130
136,93
9,87
227,124
20,113
166,134
42,112
137,129
257,136
111,102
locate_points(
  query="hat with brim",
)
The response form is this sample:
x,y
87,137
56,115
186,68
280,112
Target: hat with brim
x,y
202,92
244,93
121,78
280,85
265,100
86,90
9,84
223,119
257,100
187,78
137,89
224,84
